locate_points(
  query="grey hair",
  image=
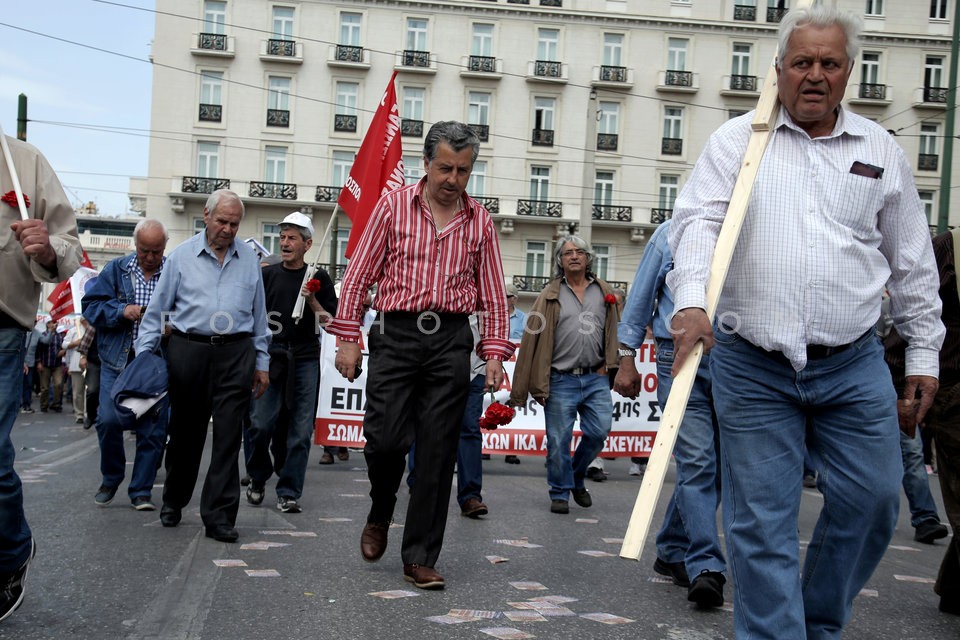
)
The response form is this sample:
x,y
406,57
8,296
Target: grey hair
x,y
214,200
304,232
820,16
149,223
456,134
579,243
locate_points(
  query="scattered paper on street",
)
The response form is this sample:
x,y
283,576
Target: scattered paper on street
x,y
606,618
229,563
507,633
528,586
293,533
914,579
522,542
334,519
447,619
474,614
391,595
596,554
587,520
263,573
496,559
262,545
524,616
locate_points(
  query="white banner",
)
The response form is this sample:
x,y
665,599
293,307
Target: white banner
x,y
340,411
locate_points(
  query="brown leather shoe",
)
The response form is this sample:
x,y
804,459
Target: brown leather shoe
x,y
326,458
373,540
473,508
343,455
423,577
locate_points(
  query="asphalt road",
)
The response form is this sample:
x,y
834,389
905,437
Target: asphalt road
x,y
115,573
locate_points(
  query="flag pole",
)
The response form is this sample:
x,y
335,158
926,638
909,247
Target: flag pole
x,y
298,306
13,176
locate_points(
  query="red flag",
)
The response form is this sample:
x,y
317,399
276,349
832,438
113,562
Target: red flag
x,y
378,167
61,298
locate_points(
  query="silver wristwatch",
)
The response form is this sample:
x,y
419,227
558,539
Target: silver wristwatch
x,y
626,353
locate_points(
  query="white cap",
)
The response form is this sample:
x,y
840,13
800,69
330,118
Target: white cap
x,y
297,219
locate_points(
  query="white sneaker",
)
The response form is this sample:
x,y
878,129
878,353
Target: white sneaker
x,y
636,469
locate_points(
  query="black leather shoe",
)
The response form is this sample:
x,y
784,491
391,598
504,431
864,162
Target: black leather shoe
x,y
582,497
673,570
929,531
706,590
169,516
559,506
223,533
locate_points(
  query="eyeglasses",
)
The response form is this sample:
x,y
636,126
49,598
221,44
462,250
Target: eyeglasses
x,y
569,253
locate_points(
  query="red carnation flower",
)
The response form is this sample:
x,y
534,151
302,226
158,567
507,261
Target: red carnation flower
x,y
610,298
10,197
496,415
313,285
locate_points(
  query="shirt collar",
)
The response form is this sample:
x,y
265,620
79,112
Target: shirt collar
x,y
418,197
844,124
202,246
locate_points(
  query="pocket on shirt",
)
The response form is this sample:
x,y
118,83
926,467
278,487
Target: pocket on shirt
x,y
858,202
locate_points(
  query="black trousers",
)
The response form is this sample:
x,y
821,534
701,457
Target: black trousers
x,y
417,388
207,380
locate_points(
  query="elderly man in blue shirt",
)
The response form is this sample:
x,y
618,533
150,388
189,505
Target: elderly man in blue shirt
x,y
211,297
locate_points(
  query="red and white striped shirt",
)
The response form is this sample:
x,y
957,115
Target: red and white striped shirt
x,y
457,270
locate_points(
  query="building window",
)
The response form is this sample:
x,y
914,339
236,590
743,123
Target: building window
x,y
601,260
874,8
776,9
477,185
411,111
741,59
612,49
672,143
214,16
938,9
608,123
926,199
669,187
603,188
745,10
208,159
478,113
412,169
539,184
677,54
283,23
270,237
350,29
536,254
198,225
548,45
341,165
278,101
870,68
416,34
928,146
211,96
275,164
343,237
543,112
481,44
933,84
345,117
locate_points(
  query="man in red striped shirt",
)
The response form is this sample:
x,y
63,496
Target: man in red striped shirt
x,y
433,252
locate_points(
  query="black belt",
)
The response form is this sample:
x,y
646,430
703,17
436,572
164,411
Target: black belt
x,y
819,351
578,371
223,338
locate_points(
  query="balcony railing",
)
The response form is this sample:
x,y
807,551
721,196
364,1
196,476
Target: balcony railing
x,y
610,73
490,204
542,138
276,190
873,91
349,53
343,122
612,212
671,146
482,131
744,12
927,162
674,78
659,216
775,14
518,1
540,208
278,118
551,3
211,112
286,48
607,141
548,69
412,58
197,184
935,94
533,284
411,128
336,271
743,83
327,194
482,63
212,41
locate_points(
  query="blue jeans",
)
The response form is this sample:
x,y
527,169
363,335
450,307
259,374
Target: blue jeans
x,y
469,465
916,485
589,396
689,532
764,408
14,531
151,433
300,426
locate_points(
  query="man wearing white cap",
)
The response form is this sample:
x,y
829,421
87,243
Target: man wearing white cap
x,y
294,366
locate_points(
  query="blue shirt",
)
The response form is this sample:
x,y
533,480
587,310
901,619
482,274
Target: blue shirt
x,y
650,301
199,295
518,322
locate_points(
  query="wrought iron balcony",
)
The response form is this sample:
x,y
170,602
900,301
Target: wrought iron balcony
x,y
671,146
286,48
927,162
411,128
349,53
542,138
533,284
610,73
540,208
482,63
212,41
775,14
490,204
659,216
197,184
482,131
743,83
412,58
612,212
211,112
518,1
873,91
674,78
343,122
935,94
276,190
744,12
327,194
278,118
551,3
607,141
547,69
